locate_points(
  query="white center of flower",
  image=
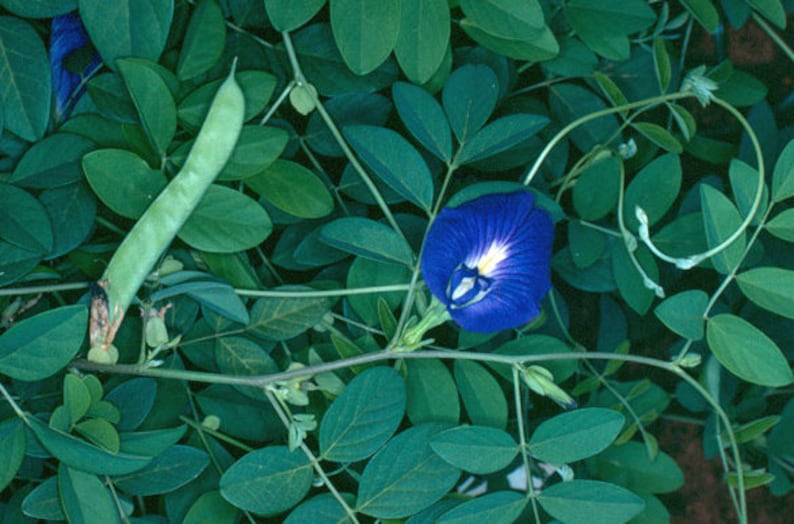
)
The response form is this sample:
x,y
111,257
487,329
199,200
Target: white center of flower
x,y
487,263
466,284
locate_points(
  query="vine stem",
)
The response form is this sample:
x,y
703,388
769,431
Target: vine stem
x,y
301,81
315,462
33,290
409,297
260,381
593,116
522,439
512,360
321,293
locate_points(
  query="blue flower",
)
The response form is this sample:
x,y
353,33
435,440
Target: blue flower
x,y
71,59
488,260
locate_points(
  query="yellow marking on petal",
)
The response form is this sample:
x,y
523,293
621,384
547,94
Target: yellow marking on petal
x,y
488,262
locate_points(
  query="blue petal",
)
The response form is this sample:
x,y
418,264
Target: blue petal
x,y
518,280
67,36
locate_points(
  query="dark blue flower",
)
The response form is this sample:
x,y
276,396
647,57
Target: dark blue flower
x,y
72,58
488,260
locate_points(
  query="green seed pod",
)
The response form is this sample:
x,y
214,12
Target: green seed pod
x,y
159,224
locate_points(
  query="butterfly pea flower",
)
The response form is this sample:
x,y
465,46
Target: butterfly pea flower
x,y
72,58
488,261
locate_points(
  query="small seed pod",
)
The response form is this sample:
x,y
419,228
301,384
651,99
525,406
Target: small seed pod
x,y
159,224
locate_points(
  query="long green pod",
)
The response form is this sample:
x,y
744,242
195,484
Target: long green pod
x,y
159,224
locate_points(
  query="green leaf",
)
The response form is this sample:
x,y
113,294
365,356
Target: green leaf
x,y
76,398
345,109
365,32
630,282
506,19
659,136
267,481
603,25
134,398
256,149
44,502
367,238
84,497
747,352
783,174
127,28
364,272
24,221
752,430
500,135
611,90
590,502
772,288
72,211
469,98
477,449
244,357
156,441
293,189
204,40
782,225
424,118
654,189
15,262
542,46
226,221
406,476
496,507
39,9
52,162
482,396
99,432
574,59
40,346
773,10
662,62
597,188
12,449
744,184
683,313
257,89
25,80
240,416
153,101
287,15
432,395
704,12
629,466
284,318
168,471
562,369
394,160
81,455
575,435
684,120
321,509
363,417
586,244
721,220
423,38
122,180
569,102
325,68
211,507
742,89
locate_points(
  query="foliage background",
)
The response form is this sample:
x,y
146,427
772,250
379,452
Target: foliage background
x,y
272,389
